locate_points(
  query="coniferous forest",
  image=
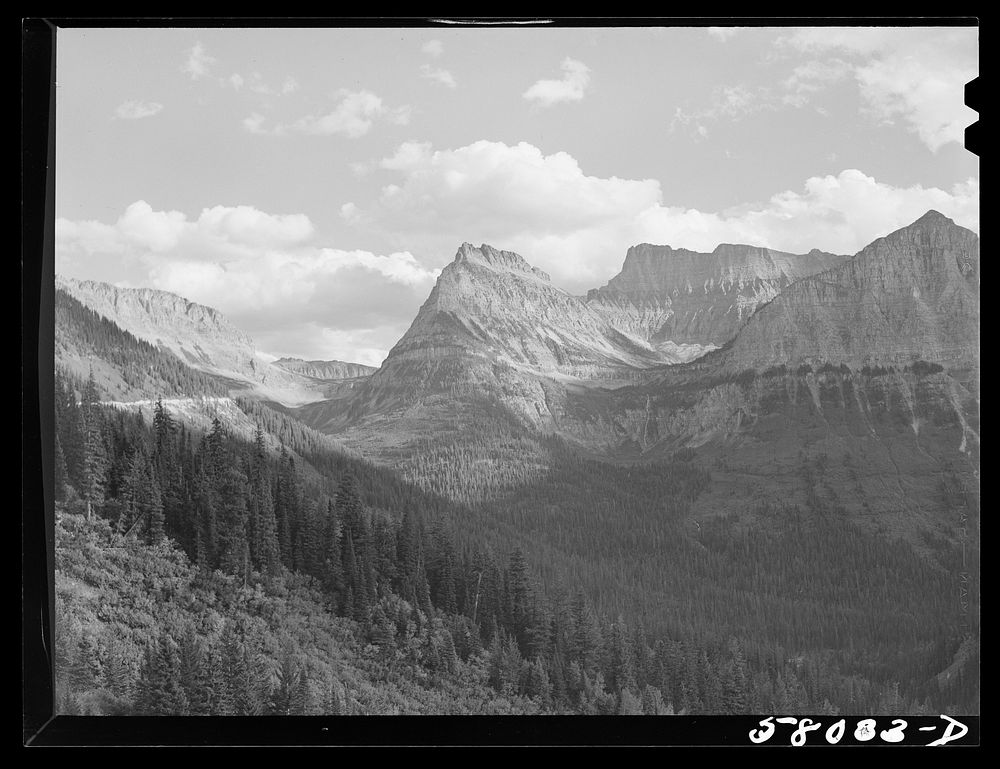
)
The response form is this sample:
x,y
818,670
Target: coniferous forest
x,y
205,573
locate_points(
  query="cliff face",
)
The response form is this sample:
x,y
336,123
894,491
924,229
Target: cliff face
x,y
494,305
495,327
876,356
676,297
912,295
868,372
325,369
199,336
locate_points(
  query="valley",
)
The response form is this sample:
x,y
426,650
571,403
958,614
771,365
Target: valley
x,y
746,444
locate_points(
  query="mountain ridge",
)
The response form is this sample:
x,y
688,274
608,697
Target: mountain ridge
x,y
198,335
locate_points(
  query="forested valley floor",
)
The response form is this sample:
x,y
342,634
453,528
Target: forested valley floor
x,y
205,574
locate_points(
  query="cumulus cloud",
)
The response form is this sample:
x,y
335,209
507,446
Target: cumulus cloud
x,y
432,48
572,86
915,76
198,62
353,116
442,76
838,213
578,227
262,270
134,110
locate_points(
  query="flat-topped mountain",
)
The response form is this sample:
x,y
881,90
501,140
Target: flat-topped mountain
x,y
325,369
497,327
673,296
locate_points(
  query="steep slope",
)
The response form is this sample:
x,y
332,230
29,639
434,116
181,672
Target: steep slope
x,y
673,297
495,327
493,304
494,330
912,295
870,369
114,603
124,367
199,336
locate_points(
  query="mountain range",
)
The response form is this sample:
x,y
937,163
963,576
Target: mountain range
x,y
748,444
680,350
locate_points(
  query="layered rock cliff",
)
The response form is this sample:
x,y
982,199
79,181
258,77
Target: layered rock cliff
x,y
672,297
198,335
911,295
325,369
878,356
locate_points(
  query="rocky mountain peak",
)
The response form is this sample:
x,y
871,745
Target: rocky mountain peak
x,y
913,294
487,256
935,218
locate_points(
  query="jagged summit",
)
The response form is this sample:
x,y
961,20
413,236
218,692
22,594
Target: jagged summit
x,y
488,256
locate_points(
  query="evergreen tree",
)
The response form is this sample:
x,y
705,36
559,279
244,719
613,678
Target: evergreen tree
x,y
621,663
193,673
94,459
283,694
60,472
519,597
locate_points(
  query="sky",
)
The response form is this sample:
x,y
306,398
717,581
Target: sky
x,y
311,183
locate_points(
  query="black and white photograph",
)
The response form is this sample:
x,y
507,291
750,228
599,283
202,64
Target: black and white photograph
x,y
517,368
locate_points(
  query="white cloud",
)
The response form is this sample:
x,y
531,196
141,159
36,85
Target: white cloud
x,y
259,86
254,124
840,214
816,74
432,48
259,269
353,117
442,76
912,75
248,225
578,227
198,62
236,81
731,102
141,230
134,110
291,85
723,34
576,78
